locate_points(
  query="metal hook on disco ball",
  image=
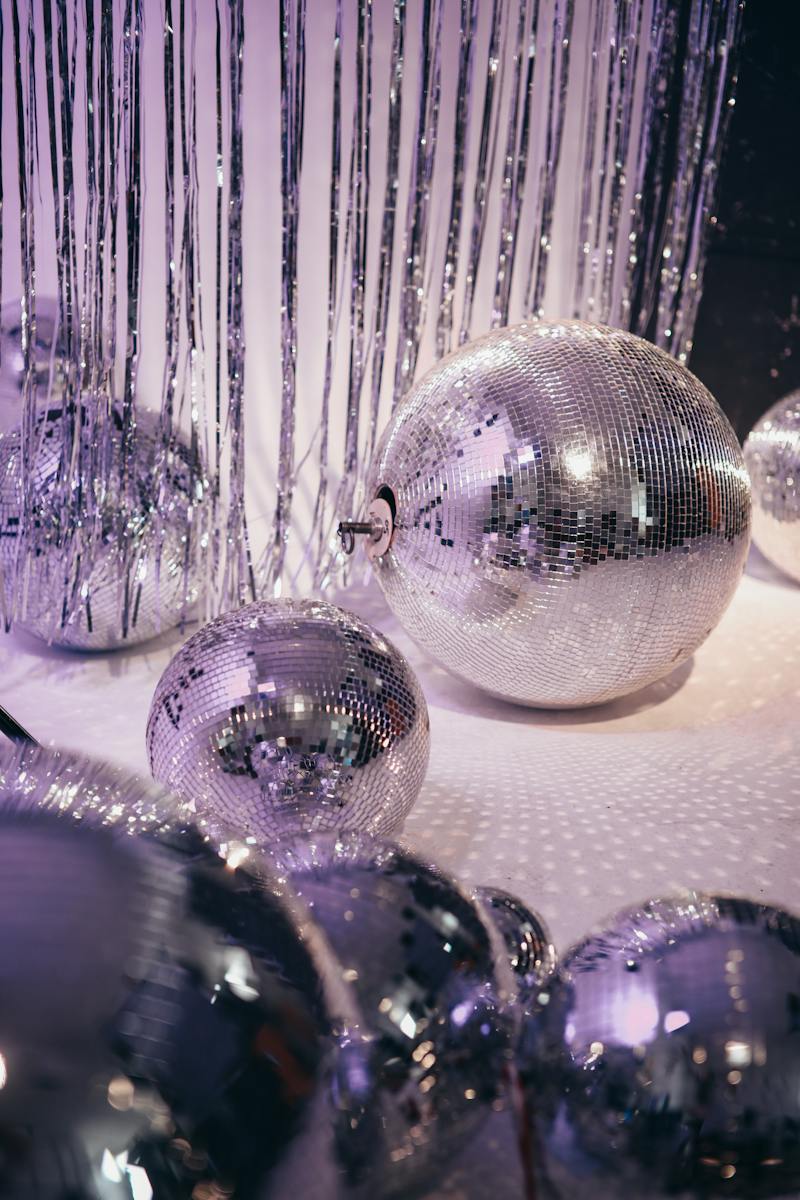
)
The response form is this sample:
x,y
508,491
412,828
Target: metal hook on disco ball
x,y
378,529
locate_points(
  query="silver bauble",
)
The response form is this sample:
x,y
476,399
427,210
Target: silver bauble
x,y
436,994
570,513
96,601
531,952
772,456
165,1020
46,357
287,717
666,1059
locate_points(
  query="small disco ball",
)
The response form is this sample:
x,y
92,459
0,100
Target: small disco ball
x,y
531,952
138,577
772,456
560,513
437,997
46,356
166,1018
666,1061
289,717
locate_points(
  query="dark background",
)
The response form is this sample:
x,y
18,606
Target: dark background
x,y
747,338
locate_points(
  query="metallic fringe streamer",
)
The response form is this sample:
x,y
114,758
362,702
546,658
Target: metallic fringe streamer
x,y
238,581
463,232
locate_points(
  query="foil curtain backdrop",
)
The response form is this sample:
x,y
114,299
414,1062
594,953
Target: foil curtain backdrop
x,y
332,194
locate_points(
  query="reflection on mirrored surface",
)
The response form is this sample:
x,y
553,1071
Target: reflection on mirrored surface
x,y
164,1022
291,716
571,513
99,564
437,995
772,455
531,952
667,1056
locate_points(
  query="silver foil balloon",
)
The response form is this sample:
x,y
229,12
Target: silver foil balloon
x,y
135,575
561,513
49,351
772,455
437,996
287,717
666,1059
166,1021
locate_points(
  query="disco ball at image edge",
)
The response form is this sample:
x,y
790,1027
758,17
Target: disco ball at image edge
x,y
133,580
663,1059
166,1020
772,455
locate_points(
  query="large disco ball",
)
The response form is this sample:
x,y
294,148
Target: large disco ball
x,y
437,996
166,1020
48,351
666,1061
561,513
288,717
139,574
772,455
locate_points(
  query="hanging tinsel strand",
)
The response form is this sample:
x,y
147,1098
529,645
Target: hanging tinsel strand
x,y
485,214
450,272
238,580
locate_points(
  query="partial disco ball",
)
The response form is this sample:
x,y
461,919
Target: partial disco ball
x,y
49,353
561,513
167,1021
287,717
105,597
437,996
531,952
666,1060
772,455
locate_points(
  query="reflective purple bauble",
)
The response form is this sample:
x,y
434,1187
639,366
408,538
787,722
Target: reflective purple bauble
x,y
530,949
664,1058
166,1019
437,996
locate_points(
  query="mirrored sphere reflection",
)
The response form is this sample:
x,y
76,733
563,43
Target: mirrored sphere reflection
x,y
436,992
772,455
667,1056
114,587
287,717
571,513
164,1019
531,952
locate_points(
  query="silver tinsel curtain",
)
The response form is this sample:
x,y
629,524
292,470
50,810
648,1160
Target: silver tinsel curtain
x,y
261,220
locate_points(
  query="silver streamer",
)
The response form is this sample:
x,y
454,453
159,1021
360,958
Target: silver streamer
x,y
488,161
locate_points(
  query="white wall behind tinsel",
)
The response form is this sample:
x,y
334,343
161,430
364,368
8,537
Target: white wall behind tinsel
x,y
349,189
